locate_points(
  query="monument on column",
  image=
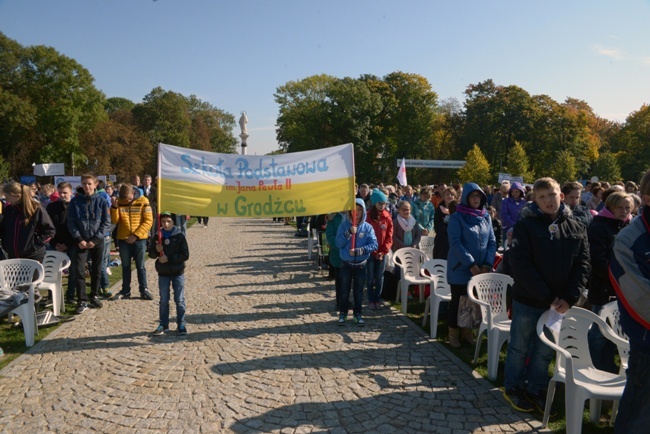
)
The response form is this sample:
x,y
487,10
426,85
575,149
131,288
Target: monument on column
x,y
243,120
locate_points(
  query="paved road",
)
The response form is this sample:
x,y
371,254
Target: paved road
x,y
264,355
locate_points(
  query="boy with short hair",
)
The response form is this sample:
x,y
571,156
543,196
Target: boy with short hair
x,y
550,266
88,220
171,255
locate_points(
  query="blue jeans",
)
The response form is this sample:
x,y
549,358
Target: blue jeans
x,y
103,281
178,284
352,278
524,342
129,252
602,350
376,270
72,273
634,408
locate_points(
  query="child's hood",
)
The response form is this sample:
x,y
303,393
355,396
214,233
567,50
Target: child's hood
x,y
517,186
468,189
362,204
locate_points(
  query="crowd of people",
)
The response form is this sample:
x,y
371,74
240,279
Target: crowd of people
x,y
84,223
564,246
555,241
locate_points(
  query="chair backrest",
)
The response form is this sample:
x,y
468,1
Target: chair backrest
x,y
426,245
17,272
489,290
437,269
410,260
54,263
612,317
571,343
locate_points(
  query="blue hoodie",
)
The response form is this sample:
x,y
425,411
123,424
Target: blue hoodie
x,y
511,207
471,239
365,238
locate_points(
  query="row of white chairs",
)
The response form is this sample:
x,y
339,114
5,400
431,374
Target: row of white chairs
x,y
48,276
573,367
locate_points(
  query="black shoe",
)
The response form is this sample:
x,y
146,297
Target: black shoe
x,y
95,302
160,330
146,295
518,401
120,296
539,402
81,308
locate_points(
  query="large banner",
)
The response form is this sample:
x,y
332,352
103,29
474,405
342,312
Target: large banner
x,y
208,184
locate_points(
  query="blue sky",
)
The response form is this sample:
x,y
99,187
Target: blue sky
x,y
234,54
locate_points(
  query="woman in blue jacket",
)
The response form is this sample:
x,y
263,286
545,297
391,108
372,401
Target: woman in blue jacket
x,y
472,247
356,240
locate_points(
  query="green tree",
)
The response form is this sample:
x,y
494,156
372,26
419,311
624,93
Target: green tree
x,y
518,163
563,168
476,168
165,117
212,128
46,101
632,144
111,105
5,168
606,168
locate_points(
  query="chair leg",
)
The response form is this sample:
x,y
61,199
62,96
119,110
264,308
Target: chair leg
x,y
479,339
595,406
405,295
398,294
435,307
550,393
493,356
575,406
427,306
614,412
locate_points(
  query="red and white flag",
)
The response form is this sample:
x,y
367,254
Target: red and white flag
x,y
401,174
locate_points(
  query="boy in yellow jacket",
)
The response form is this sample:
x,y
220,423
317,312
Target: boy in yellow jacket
x,y
132,214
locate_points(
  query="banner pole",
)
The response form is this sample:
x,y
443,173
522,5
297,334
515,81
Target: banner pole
x,y
159,195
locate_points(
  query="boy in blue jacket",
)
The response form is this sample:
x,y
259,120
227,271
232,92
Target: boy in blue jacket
x,y
356,240
89,219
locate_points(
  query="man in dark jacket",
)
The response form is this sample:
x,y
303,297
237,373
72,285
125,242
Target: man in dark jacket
x,y
550,267
63,240
171,253
88,221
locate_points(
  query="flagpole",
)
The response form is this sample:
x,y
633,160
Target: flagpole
x,y
159,195
354,203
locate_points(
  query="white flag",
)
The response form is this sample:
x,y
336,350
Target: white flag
x,y
401,174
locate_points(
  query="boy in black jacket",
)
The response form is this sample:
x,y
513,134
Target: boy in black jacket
x,y
170,256
550,266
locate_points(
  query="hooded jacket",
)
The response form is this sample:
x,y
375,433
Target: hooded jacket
x,y
58,212
330,232
364,239
545,267
511,207
22,240
630,275
383,228
88,218
601,234
177,251
471,239
133,218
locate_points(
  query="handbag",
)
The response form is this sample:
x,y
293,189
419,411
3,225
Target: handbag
x,y
469,313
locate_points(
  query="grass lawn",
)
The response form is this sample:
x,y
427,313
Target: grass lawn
x,y
466,353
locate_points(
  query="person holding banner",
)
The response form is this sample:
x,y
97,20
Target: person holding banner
x,y
356,240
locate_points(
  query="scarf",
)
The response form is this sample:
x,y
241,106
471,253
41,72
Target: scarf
x,y
464,209
406,225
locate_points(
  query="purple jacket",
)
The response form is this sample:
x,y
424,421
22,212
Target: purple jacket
x,y
511,207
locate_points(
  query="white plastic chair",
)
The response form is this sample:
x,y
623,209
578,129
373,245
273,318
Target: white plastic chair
x,y
575,368
18,272
410,260
489,291
426,245
440,291
54,264
612,317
